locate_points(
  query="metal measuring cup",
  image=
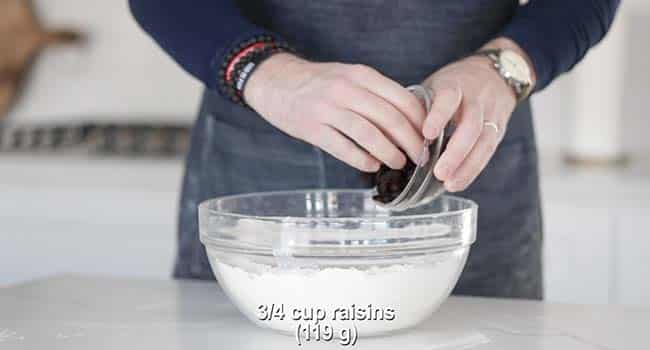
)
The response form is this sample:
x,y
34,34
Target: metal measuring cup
x,y
422,186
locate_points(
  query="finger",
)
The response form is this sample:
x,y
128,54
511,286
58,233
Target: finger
x,y
388,89
475,161
340,147
386,117
462,141
368,136
447,96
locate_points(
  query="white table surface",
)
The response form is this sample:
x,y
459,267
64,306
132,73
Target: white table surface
x,y
71,312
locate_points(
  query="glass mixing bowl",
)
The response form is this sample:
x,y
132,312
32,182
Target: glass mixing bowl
x,y
335,261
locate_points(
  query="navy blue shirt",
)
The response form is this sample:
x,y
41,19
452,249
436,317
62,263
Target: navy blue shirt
x,y
556,34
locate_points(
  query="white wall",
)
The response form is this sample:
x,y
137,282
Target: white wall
x,y
63,214
555,106
596,237
119,75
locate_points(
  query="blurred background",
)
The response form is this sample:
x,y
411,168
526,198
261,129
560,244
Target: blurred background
x,y
91,152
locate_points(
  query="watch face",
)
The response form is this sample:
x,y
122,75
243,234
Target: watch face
x,y
514,66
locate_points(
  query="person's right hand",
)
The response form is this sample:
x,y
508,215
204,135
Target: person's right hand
x,y
330,105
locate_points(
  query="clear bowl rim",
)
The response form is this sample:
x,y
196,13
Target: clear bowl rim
x,y
205,205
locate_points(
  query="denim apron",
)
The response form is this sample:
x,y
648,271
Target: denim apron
x,y
234,150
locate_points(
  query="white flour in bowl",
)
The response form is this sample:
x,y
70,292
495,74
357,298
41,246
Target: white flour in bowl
x,y
342,297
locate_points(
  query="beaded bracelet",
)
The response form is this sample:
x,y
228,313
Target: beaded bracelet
x,y
242,60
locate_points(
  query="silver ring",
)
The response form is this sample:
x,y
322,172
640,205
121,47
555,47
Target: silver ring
x,y
492,125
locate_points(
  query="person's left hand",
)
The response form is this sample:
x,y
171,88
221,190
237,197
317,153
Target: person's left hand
x,y
469,93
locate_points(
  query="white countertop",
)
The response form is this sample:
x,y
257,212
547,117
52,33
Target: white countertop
x,y
107,313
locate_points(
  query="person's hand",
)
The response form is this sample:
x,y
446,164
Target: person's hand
x,y
469,93
350,111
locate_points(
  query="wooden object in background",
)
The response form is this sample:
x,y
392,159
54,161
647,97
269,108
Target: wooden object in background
x,y
21,39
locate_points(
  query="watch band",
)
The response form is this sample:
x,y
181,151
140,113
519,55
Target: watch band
x,y
521,88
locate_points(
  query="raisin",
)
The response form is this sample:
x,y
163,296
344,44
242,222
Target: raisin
x,y
391,182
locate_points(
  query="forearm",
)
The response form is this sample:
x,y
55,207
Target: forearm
x,y
196,34
556,34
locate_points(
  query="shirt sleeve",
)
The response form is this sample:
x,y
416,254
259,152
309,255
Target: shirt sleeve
x,y
557,34
197,34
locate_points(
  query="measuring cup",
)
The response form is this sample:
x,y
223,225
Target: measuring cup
x,y
422,186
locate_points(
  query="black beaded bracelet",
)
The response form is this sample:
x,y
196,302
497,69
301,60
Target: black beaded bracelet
x,y
238,48
233,79
245,67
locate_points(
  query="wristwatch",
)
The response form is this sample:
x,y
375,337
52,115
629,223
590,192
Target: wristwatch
x,y
513,68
